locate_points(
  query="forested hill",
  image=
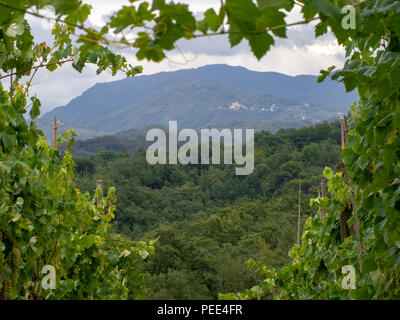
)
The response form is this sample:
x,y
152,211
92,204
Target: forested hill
x,y
200,97
209,220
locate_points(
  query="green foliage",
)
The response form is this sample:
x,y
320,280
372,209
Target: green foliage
x,y
372,162
205,216
159,25
215,248
152,195
44,219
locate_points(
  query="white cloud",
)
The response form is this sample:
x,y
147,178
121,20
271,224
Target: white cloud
x,y
299,54
102,8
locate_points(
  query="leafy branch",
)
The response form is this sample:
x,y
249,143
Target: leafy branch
x,y
35,68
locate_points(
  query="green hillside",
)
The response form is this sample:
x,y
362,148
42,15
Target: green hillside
x,y
204,96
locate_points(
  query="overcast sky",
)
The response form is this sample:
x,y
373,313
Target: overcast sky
x,y
299,54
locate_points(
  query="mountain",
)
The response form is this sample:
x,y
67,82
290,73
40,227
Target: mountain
x,y
200,97
46,125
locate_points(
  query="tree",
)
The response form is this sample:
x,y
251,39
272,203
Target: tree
x,y
289,170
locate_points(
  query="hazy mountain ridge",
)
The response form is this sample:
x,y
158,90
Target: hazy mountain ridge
x,y
201,97
83,133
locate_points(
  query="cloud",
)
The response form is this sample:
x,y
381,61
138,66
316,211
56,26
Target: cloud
x,y
300,53
59,87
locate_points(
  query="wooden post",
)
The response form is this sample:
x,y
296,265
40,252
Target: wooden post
x,y
346,130
298,216
320,212
357,224
55,133
323,189
11,86
99,185
342,131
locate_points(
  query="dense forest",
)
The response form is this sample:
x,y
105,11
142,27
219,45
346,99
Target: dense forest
x,y
207,220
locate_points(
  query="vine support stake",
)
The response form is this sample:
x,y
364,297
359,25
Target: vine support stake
x,y
323,190
357,225
55,133
346,130
11,88
99,185
299,214
342,131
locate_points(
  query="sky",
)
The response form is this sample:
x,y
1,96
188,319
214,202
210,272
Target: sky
x,y
299,54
